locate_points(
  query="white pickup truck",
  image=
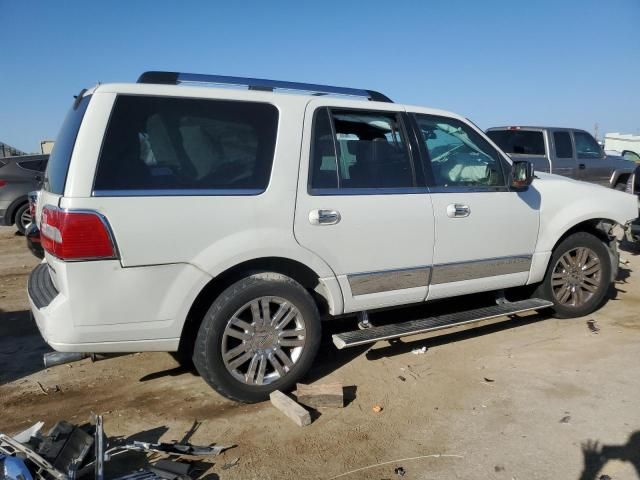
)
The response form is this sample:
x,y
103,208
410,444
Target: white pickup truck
x,y
570,152
226,223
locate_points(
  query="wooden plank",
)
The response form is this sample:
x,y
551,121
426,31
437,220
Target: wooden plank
x,y
319,396
290,408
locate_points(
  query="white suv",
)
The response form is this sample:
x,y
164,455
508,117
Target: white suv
x,y
224,223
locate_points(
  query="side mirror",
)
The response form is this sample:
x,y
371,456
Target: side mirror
x,y
522,174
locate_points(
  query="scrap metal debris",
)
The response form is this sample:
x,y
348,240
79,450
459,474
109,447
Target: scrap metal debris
x,y
400,471
593,326
70,452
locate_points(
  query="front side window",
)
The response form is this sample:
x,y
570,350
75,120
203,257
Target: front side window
x,y
586,145
167,143
459,156
562,142
354,149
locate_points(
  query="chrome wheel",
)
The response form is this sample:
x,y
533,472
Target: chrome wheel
x,y
576,277
263,340
25,219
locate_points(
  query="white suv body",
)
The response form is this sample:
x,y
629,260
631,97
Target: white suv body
x,y
428,227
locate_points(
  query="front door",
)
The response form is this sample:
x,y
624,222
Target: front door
x,y
485,233
593,165
362,205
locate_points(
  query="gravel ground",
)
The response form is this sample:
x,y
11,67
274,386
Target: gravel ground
x,y
522,399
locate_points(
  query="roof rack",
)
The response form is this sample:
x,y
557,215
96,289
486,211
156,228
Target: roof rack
x,y
176,78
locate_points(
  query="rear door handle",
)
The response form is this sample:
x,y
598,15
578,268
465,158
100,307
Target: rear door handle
x,y
458,210
324,217
582,166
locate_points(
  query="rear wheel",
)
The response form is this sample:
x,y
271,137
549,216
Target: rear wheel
x,y
23,218
621,187
260,335
578,276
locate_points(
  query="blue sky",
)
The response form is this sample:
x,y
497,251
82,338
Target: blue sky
x,y
560,62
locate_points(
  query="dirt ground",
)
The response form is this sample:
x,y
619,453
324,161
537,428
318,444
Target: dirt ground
x,y
523,399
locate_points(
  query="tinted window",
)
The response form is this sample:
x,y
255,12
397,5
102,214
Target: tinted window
x,y
34,165
56,173
459,155
586,145
162,143
519,142
562,142
358,149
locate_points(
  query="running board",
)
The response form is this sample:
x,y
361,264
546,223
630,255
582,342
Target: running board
x,y
415,327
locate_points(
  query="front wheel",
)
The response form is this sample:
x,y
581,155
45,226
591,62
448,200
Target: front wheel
x,y
261,334
578,276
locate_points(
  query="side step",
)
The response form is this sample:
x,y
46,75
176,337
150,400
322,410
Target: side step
x,y
414,327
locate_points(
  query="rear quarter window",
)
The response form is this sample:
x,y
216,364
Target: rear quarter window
x,y
518,142
169,145
55,175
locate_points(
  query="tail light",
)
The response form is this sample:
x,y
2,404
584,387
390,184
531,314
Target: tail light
x,y
76,235
3,183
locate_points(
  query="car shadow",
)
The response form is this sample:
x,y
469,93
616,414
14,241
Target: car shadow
x,y
596,456
21,346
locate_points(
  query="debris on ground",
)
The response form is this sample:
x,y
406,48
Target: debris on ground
x,y
318,396
401,378
498,468
290,408
593,326
565,419
231,464
400,471
489,380
376,409
70,452
419,351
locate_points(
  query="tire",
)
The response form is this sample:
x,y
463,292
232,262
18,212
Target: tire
x,y
22,218
233,329
589,289
621,187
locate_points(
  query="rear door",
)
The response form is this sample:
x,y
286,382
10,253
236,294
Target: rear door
x,y
362,204
485,233
563,158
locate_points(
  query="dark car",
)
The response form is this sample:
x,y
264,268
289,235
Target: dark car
x,y
633,186
18,177
33,232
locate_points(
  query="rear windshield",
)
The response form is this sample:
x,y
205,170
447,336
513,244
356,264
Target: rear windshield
x,y
519,142
165,145
56,173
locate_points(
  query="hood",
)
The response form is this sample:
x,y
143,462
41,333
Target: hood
x,y
621,163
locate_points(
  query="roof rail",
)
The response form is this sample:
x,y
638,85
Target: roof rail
x,y
176,78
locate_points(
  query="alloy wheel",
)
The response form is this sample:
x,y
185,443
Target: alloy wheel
x,y
263,340
576,277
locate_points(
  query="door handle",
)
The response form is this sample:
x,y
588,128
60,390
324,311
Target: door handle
x,y
458,210
324,217
582,166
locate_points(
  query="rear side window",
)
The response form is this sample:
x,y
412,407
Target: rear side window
x,y
562,142
56,173
355,149
177,144
586,145
518,142
34,165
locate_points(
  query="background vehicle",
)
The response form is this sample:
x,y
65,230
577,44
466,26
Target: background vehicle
x,y
19,176
32,233
564,151
308,206
633,187
627,144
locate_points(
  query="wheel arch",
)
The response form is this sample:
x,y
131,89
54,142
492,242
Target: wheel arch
x,y
13,208
307,277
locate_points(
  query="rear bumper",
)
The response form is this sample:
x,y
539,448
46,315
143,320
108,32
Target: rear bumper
x,y
100,307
